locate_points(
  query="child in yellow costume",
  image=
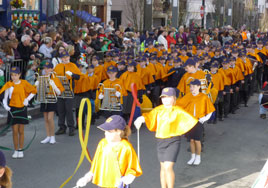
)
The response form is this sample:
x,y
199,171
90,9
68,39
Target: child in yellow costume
x,y
200,106
169,122
20,92
115,161
114,83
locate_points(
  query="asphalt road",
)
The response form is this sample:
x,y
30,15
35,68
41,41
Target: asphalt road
x,y
235,151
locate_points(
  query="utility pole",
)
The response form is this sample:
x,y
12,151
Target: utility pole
x,y
148,14
203,18
175,13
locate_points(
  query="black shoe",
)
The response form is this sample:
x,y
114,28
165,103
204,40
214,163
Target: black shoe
x,y
246,105
71,132
263,116
220,118
60,131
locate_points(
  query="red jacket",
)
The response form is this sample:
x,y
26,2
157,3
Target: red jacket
x,y
170,40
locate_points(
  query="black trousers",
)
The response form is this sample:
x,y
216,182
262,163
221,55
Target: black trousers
x,y
65,111
227,101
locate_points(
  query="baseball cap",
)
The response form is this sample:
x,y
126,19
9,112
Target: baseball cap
x,y
113,122
189,61
15,70
168,92
112,69
48,65
132,63
2,159
64,54
195,82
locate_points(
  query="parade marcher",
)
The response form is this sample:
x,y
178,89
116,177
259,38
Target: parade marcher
x,y
192,73
228,87
178,72
218,83
65,105
49,109
5,172
121,65
81,90
115,161
112,83
19,92
169,122
129,77
200,106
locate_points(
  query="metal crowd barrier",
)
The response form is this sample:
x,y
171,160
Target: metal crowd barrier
x,y
15,63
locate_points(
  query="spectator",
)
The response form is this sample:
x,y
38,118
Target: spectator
x,y
46,48
129,27
15,44
24,48
215,42
162,39
36,38
42,28
170,38
110,25
3,34
11,35
182,35
8,50
95,44
56,53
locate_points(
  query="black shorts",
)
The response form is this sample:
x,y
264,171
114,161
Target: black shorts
x,y
48,107
196,132
168,149
21,113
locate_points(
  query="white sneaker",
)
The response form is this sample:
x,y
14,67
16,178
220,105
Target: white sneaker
x,y
197,160
15,154
46,140
191,161
52,140
20,154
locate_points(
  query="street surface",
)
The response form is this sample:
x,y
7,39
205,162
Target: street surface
x,y
235,152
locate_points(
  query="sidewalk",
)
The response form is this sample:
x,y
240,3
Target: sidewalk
x,y
33,112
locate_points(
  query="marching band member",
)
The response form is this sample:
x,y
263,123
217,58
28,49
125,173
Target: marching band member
x,y
99,70
65,105
192,73
94,82
115,83
183,55
169,122
81,90
218,83
19,92
178,72
115,161
229,84
200,106
49,109
129,77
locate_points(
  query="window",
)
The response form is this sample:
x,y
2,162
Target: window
x,y
31,4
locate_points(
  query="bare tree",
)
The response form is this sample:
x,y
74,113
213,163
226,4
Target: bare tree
x,y
135,13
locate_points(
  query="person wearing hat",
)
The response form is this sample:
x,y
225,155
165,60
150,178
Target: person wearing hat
x,y
112,83
237,86
19,92
176,74
98,69
115,161
81,90
5,172
121,65
129,77
150,48
191,73
145,75
169,122
200,106
218,83
94,82
65,105
229,85
183,55
108,62
49,109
